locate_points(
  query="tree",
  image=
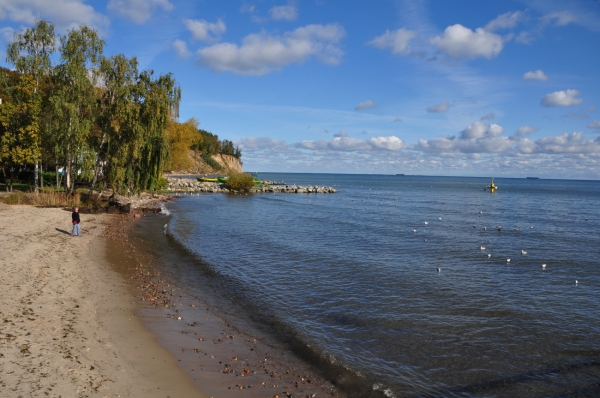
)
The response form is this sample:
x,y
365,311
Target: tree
x,y
30,53
181,138
74,99
19,123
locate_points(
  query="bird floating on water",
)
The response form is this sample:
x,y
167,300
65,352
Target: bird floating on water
x,y
489,255
523,252
414,230
576,282
440,218
439,269
543,266
426,222
508,260
485,228
516,229
481,248
474,226
499,228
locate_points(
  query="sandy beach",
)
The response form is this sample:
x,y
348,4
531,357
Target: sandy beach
x,y
68,321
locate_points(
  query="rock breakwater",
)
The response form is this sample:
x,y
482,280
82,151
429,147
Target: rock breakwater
x,y
190,185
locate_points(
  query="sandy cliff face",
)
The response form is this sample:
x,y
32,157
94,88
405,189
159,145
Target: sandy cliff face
x,y
228,164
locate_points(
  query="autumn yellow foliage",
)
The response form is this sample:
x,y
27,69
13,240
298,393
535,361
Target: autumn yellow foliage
x,y
181,137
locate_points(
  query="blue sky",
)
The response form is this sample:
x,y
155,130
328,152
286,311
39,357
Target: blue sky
x,y
474,88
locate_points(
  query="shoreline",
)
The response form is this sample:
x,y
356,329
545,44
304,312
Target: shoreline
x,y
220,353
70,324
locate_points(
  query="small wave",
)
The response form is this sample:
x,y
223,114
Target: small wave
x,y
164,210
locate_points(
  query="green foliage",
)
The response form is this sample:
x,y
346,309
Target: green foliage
x,y
240,182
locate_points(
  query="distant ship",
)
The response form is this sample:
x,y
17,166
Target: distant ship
x,y
399,174
533,178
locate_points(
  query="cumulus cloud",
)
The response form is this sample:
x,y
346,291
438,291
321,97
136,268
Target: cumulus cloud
x,y
564,144
348,144
525,130
489,116
397,120
263,53
505,21
481,130
137,11
453,145
201,29
460,42
562,98
258,144
595,124
537,75
180,48
63,13
439,108
368,104
288,13
391,143
396,40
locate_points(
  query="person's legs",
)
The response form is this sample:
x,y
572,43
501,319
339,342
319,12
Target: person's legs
x,y
78,229
75,229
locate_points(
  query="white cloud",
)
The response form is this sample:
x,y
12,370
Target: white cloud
x,y
258,144
505,21
489,116
561,18
262,53
343,143
562,98
460,42
288,13
397,120
439,108
524,37
452,145
525,130
7,33
201,29
137,11
537,75
481,130
391,143
63,13
396,40
247,8
368,104
180,48
566,143
595,124
341,134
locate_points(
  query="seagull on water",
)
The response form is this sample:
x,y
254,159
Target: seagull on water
x,y
439,269
516,229
481,248
543,266
499,228
523,252
426,222
508,260
485,228
440,218
489,255
414,230
576,282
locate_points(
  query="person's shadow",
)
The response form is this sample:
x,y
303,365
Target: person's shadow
x,y
63,231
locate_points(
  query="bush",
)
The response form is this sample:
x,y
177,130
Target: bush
x,y
240,182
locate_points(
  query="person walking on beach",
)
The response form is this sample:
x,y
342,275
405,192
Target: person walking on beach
x,y
76,221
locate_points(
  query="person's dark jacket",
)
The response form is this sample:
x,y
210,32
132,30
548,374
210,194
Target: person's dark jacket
x,y
75,217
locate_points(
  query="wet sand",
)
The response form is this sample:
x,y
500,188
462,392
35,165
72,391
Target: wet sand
x,y
69,324
221,355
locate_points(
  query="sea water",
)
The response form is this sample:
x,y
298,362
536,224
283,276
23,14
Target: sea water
x,y
404,283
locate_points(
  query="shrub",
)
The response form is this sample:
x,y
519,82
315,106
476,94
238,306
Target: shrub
x,y
240,182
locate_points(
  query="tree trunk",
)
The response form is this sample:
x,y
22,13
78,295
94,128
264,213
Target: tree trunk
x,y
97,166
36,178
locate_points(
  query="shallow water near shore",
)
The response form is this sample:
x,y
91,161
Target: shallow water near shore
x,y
350,280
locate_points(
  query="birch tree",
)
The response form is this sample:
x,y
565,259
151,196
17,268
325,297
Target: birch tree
x,y
30,53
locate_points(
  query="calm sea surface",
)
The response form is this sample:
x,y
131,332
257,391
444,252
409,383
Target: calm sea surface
x,y
352,278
